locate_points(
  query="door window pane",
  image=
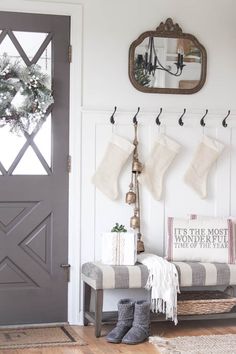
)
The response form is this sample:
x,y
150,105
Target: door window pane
x,y
11,144
29,164
45,61
7,47
43,140
30,42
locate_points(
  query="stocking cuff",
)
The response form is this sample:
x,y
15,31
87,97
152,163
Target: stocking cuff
x,y
173,145
122,143
213,144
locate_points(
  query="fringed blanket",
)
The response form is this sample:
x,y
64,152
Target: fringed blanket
x,y
164,284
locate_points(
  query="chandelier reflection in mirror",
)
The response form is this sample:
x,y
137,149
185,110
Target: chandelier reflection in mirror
x,y
149,62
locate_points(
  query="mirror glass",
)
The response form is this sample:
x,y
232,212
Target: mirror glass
x,y
167,61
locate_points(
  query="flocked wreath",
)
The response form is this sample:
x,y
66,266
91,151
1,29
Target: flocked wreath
x,y
24,95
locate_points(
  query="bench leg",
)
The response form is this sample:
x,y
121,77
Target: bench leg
x,y
98,311
230,290
87,299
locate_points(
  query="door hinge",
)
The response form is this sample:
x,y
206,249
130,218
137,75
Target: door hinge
x,y
66,267
70,53
69,163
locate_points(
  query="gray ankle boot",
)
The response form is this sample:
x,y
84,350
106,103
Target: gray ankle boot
x,y
141,324
125,320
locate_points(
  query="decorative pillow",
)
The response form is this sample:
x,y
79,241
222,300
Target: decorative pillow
x,y
233,218
201,239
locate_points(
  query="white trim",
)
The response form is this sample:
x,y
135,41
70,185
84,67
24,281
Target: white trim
x,y
75,11
75,177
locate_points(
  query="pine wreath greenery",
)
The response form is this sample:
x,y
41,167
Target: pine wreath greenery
x,y
24,95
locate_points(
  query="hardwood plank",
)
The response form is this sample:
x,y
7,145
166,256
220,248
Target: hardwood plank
x,y
167,329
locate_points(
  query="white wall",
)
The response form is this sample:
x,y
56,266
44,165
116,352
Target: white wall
x,y
111,26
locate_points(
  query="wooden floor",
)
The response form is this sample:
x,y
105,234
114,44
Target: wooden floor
x,y
167,329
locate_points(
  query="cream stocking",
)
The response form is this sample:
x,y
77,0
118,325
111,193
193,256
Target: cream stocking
x,y
206,154
106,176
162,155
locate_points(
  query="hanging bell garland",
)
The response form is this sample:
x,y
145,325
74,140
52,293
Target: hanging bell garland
x,y
132,197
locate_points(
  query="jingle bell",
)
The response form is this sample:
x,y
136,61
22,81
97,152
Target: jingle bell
x,y
130,197
134,222
140,246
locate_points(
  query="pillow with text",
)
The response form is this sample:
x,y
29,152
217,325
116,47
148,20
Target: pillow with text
x,y
201,239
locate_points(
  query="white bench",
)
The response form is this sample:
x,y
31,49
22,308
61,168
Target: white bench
x,y
98,277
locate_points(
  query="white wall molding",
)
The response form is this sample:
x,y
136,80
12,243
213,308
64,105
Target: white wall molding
x,y
99,213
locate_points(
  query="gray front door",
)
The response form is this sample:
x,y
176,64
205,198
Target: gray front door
x,y
34,181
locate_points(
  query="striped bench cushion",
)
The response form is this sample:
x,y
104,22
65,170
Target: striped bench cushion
x,y
205,274
100,276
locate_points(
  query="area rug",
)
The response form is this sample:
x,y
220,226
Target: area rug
x,y
34,337
214,344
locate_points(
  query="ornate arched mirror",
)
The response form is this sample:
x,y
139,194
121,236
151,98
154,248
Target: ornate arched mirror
x,y
167,61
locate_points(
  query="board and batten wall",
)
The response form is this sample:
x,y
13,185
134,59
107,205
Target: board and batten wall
x,y
99,213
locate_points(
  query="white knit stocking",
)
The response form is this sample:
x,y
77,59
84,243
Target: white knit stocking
x,y
162,155
205,155
107,174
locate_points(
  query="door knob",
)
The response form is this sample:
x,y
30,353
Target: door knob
x,y
66,267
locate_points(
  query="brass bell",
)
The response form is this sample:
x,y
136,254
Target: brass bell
x,y
137,166
130,197
140,246
134,222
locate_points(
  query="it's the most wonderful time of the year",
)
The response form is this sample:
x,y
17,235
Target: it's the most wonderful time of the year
x,y
200,237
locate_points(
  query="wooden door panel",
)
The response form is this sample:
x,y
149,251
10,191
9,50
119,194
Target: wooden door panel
x,y
34,207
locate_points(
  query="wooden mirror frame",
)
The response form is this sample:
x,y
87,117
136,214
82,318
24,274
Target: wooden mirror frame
x,y
167,30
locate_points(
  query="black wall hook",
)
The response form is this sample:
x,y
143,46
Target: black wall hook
x,y
158,122
112,120
224,120
202,122
135,117
180,118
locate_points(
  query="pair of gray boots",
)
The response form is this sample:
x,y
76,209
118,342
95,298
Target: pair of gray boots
x,y
133,322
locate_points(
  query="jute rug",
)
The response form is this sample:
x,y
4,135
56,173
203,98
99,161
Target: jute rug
x,y
38,337
214,344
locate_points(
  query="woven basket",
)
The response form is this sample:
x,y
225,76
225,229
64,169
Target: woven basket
x,y
204,302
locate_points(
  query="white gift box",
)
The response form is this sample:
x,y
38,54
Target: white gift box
x,y
119,248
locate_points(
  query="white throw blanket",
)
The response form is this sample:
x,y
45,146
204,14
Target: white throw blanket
x,y
164,284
